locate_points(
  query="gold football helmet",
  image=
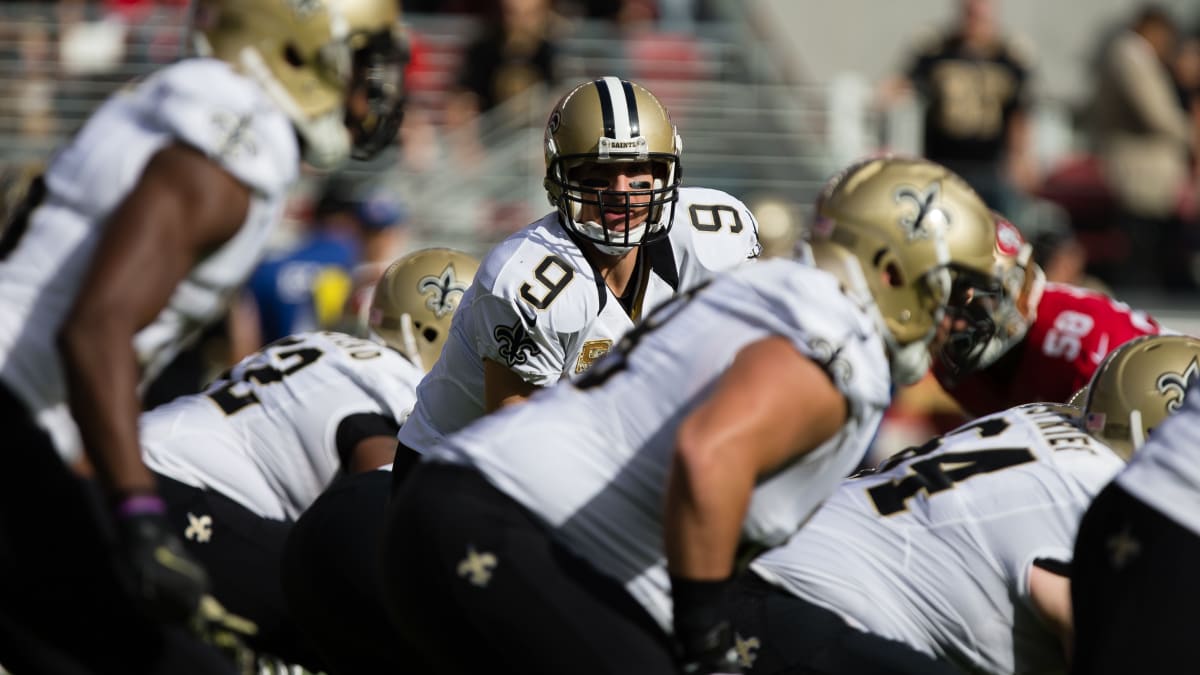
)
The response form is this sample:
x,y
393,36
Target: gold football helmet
x,y
994,318
415,299
307,55
603,122
902,234
1137,386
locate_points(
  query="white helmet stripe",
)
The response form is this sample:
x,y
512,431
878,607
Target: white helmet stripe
x,y
610,88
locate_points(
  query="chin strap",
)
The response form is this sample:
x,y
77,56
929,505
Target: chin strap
x,y
408,335
910,363
1136,433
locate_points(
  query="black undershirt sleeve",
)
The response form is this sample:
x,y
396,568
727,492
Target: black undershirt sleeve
x,y
1060,567
354,428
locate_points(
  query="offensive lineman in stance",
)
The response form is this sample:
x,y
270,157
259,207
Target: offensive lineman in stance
x,y
238,463
960,548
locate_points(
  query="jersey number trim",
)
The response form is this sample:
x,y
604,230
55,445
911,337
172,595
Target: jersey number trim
x,y
231,401
710,218
941,473
553,286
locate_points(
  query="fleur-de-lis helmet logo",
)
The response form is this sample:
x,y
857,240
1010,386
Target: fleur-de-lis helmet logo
x,y
1175,385
443,291
918,223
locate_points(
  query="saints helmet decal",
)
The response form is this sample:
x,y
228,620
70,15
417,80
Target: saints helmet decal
x,y
1137,386
415,299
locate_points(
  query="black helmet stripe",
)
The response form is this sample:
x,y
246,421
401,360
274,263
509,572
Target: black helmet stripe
x,y
631,105
606,109
618,106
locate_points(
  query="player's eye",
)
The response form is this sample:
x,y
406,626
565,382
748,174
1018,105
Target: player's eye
x,y
640,184
594,183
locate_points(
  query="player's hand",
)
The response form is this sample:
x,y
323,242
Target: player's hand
x,y
709,652
227,632
165,578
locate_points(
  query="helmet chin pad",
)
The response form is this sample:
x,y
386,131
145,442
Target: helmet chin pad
x,y
327,143
910,362
595,233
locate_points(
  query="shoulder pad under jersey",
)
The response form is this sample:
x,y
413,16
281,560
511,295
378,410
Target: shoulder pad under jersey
x,y
228,117
713,230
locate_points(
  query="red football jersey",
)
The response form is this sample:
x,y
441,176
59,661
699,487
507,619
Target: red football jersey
x,y
1074,330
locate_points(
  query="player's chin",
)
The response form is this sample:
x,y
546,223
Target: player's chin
x,y
624,224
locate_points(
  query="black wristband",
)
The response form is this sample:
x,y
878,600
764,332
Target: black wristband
x,y
699,605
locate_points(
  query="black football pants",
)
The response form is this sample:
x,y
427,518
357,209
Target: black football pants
x,y
477,585
65,607
1135,589
781,634
331,578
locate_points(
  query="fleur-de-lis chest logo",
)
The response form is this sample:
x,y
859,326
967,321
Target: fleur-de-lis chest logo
x,y
443,291
477,567
236,136
1175,385
515,345
918,222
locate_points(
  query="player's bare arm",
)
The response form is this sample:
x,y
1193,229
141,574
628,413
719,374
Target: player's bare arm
x,y
502,386
772,405
183,206
373,452
1051,596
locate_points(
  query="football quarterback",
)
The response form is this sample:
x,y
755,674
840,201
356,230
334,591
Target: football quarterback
x,y
624,237
141,228
1134,580
607,510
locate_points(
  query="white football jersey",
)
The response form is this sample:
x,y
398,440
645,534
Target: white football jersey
x,y
538,307
265,435
935,549
1165,472
200,102
591,457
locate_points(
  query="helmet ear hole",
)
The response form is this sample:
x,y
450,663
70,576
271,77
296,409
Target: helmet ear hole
x,y
430,334
892,276
292,56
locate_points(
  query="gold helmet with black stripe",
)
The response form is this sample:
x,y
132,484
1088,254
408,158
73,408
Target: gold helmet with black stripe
x,y
599,127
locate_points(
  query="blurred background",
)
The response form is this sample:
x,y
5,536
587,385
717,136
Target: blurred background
x,y
1078,119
